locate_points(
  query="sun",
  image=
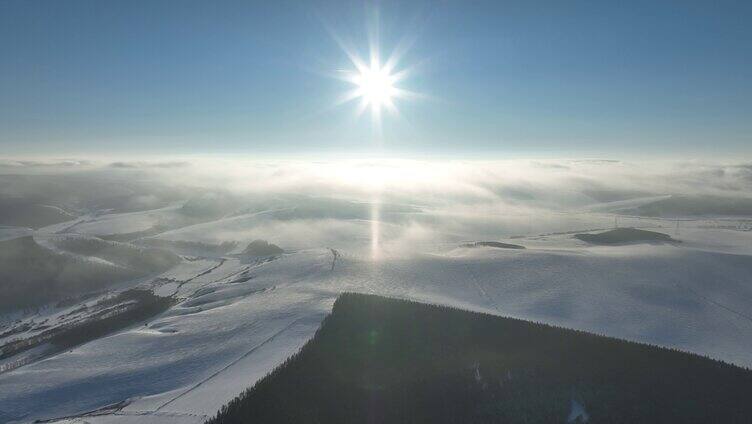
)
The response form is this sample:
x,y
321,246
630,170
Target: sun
x,y
375,86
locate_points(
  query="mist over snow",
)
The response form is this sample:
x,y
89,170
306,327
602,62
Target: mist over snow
x,y
301,204
131,282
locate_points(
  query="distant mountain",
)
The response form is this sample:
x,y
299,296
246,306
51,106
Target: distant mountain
x,y
496,244
384,360
31,275
677,206
626,236
190,247
22,213
78,193
140,259
262,248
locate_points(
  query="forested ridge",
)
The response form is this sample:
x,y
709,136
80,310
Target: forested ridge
x,y
379,360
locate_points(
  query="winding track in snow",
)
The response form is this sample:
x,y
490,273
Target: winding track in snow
x,y
201,274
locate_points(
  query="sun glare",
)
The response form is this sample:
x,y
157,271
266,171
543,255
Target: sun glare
x,y
375,82
375,86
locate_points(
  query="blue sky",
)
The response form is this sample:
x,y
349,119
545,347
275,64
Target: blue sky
x,y
500,79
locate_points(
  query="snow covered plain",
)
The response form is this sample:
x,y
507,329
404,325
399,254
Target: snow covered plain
x,y
237,318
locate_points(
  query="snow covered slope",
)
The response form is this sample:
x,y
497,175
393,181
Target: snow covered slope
x,y
238,318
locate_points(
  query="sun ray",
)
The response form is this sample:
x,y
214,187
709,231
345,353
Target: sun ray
x,y
375,81
349,96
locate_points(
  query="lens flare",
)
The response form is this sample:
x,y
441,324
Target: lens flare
x,y
375,86
375,82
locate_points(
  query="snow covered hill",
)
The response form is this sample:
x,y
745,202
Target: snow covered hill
x,y
237,319
225,319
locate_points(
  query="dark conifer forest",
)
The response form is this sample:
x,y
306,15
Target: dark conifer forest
x,y
379,360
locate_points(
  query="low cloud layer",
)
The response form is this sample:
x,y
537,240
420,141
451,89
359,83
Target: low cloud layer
x,y
334,203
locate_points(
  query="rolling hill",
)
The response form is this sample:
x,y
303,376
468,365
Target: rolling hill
x,y
384,360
